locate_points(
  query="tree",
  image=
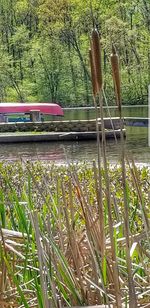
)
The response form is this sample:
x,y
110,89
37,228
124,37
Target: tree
x,y
44,48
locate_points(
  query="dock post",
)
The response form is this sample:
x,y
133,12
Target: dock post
x,y
35,116
3,118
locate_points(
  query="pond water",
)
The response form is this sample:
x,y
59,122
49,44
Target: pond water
x,y
59,152
89,113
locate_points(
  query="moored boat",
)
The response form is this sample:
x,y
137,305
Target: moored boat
x,y
26,108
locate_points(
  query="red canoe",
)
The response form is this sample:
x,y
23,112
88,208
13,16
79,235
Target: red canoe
x,y
44,108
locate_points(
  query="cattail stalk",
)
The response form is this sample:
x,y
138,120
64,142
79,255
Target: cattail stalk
x,y
100,202
117,83
110,218
132,294
116,76
96,51
93,75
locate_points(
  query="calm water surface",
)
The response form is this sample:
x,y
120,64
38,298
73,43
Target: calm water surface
x,y
127,111
58,152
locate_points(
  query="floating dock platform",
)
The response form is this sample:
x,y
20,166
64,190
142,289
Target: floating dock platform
x,y
58,130
55,136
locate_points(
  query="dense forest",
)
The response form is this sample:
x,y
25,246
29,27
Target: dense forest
x,y
44,49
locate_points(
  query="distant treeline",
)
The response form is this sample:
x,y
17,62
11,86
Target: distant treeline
x,y
44,49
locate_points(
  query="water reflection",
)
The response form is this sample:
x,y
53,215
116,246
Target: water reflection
x,y
127,111
58,152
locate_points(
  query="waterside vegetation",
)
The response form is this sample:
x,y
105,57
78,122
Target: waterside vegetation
x,y
51,250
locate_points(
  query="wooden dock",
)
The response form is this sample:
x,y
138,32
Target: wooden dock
x,y
54,136
64,130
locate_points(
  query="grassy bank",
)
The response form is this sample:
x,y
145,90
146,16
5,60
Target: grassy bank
x,y
51,250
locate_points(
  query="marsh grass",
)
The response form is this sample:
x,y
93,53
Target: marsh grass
x,y
50,243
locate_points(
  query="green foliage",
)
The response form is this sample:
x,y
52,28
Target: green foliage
x,y
49,226
44,49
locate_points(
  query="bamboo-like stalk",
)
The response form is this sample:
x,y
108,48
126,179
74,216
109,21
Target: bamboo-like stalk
x,y
117,83
110,219
96,49
100,202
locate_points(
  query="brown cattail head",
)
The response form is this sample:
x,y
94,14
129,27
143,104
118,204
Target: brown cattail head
x,y
96,53
116,75
93,76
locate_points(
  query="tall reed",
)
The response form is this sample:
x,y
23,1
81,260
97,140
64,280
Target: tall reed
x,y
96,51
116,76
97,61
117,84
99,190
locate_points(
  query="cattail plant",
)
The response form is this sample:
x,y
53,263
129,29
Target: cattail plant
x,y
116,76
93,75
100,205
97,87
50,243
96,52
